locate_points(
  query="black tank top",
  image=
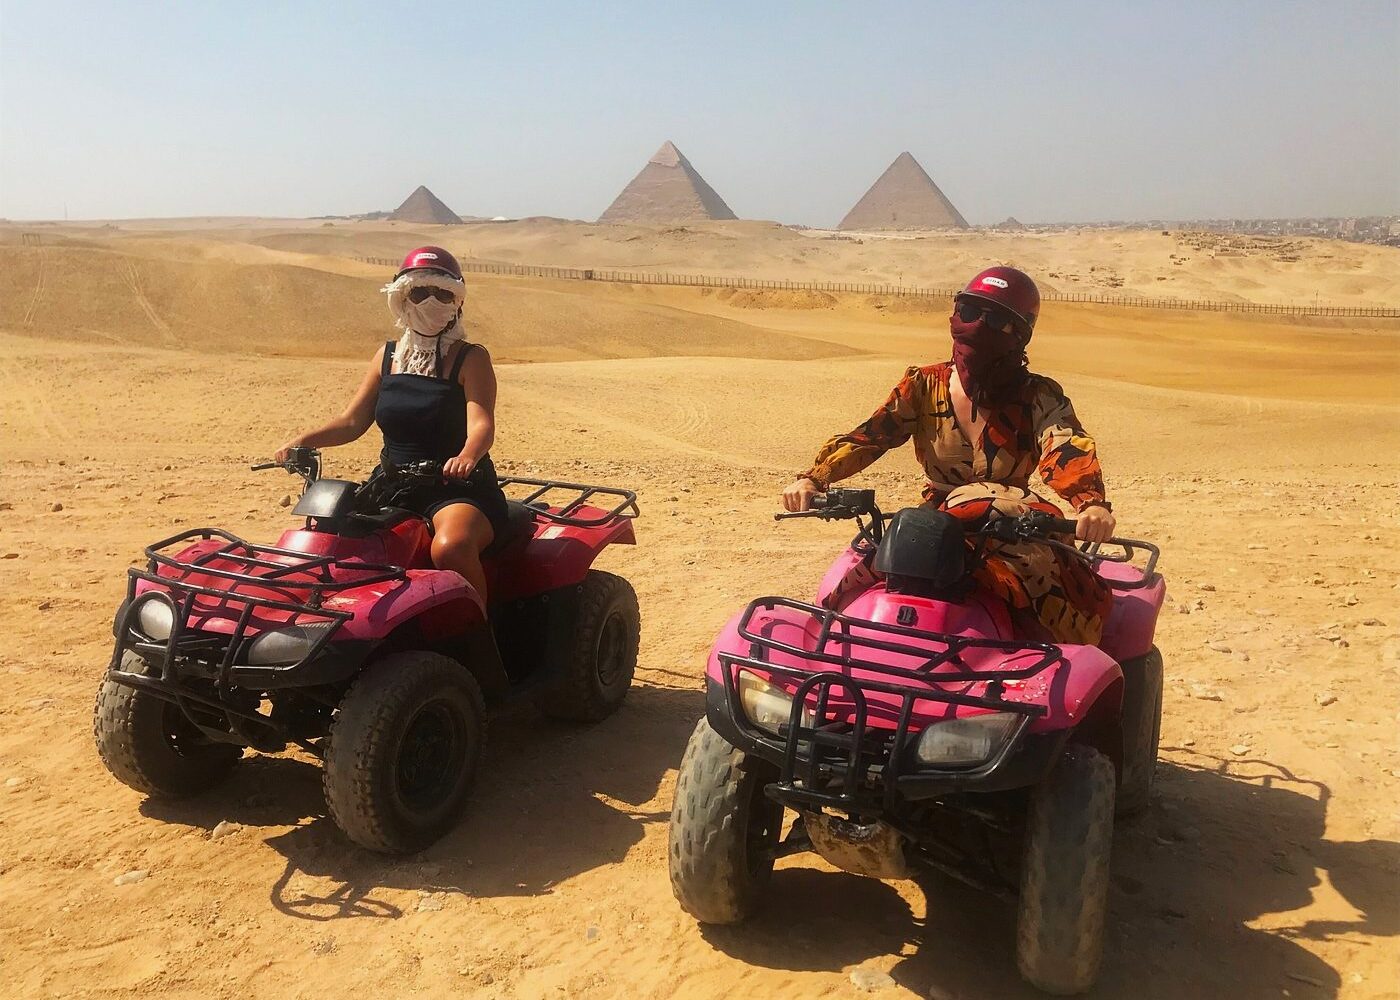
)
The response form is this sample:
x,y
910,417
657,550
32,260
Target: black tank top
x,y
422,417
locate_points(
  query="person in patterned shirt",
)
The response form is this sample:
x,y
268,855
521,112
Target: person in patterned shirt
x,y
982,424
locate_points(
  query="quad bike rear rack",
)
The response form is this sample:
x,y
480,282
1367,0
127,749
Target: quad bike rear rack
x,y
569,513
303,582
841,761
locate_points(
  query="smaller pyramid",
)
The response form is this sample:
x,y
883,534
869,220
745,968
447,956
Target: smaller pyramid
x,y
668,189
1011,223
424,206
904,197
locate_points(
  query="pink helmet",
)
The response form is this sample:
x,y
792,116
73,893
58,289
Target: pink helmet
x,y
431,259
1009,288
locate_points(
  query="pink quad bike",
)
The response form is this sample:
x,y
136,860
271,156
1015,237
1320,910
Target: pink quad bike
x,y
344,640
900,723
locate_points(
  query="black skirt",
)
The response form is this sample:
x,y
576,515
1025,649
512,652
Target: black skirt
x,y
480,490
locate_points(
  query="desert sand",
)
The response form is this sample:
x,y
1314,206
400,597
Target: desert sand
x,y
143,368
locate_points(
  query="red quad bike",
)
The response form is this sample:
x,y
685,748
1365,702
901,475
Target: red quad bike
x,y
904,724
344,640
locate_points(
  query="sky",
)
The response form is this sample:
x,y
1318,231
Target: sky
x,y
1065,111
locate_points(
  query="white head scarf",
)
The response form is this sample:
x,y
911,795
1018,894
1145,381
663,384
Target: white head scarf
x,y
430,327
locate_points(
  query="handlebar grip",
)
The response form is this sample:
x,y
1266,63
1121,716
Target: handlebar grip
x,y
1062,524
264,466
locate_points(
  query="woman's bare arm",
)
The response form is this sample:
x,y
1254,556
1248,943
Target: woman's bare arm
x,y
350,424
479,384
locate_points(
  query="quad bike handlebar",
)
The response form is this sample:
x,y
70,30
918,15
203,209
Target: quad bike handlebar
x,y
845,504
303,462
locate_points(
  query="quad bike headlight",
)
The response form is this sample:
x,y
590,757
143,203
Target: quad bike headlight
x,y
974,739
284,646
767,705
154,619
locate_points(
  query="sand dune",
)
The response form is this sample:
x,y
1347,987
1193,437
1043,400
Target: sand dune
x,y
142,372
1182,265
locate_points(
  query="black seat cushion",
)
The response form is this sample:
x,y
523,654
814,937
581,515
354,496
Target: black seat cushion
x,y
520,524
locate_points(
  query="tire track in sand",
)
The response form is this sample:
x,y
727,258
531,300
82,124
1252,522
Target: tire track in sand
x,y
33,306
132,277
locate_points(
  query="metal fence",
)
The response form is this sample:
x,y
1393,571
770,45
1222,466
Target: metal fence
x,y
908,291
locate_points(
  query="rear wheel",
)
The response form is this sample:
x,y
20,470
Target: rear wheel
x,y
1142,731
599,669
1064,878
724,830
403,751
150,744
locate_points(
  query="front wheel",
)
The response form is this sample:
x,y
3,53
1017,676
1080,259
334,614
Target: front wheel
x,y
1064,878
403,751
724,830
599,668
150,744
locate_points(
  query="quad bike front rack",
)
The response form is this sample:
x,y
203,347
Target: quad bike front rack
x,y
856,753
300,582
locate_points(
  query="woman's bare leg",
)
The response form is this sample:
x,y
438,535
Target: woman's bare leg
x,y
460,533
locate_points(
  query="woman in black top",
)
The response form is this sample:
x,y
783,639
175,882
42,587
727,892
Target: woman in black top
x,y
433,395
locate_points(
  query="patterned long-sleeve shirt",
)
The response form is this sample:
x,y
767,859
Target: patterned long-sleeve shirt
x,y
1036,432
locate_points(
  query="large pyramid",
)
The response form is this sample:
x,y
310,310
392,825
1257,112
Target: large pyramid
x,y
424,206
904,198
667,190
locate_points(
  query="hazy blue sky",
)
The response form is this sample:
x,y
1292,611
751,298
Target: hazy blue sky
x,y
1046,111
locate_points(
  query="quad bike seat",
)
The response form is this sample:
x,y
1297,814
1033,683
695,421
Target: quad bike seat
x,y
1130,626
520,524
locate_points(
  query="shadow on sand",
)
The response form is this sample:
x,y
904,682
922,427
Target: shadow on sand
x,y
1226,843
552,800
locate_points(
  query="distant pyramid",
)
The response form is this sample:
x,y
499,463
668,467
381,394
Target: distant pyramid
x,y
904,198
424,206
667,190
1011,223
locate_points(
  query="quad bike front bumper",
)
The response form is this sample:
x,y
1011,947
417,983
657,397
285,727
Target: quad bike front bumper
x,y
871,772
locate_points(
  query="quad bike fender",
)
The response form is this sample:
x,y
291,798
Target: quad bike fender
x,y
1131,625
558,555
1086,680
441,603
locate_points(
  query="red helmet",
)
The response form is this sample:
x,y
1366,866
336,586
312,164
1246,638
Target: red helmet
x,y
433,259
1009,288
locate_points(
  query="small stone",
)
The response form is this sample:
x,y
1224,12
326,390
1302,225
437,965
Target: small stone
x,y
1262,612
131,877
325,946
1188,743
10,555
225,828
45,605
1350,601
430,871
286,500
1239,749
1325,698
1371,622
1218,646
13,782
55,507
871,980
1206,693
1332,746
1209,588
430,903
592,933
1198,605
1183,609
1241,655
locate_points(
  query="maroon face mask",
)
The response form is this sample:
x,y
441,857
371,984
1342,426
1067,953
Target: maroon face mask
x,y
990,362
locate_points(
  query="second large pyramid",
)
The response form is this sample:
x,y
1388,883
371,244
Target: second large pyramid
x,y
667,190
904,197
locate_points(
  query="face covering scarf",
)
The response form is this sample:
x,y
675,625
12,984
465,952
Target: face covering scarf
x,y
429,327
991,364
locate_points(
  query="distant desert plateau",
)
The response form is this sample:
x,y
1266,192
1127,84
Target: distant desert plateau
x,y
145,365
